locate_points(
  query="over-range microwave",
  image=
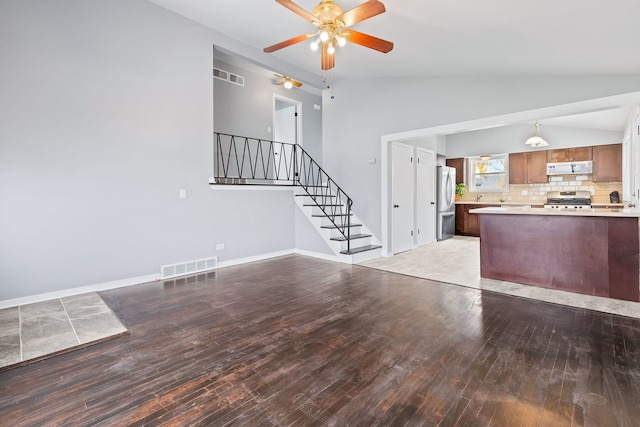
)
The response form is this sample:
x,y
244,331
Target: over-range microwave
x,y
570,168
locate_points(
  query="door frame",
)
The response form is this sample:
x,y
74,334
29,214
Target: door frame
x,y
487,122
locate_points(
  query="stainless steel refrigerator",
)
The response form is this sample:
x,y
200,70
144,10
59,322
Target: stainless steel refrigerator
x,y
445,202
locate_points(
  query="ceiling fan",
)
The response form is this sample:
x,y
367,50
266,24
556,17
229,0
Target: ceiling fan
x,y
288,82
332,28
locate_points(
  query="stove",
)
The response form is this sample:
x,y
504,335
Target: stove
x,y
568,200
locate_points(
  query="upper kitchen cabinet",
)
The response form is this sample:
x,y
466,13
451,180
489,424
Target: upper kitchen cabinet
x,y
528,168
458,164
607,163
569,155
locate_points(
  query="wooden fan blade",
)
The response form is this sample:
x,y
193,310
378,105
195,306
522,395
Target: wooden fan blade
x,y
297,10
366,40
296,83
286,43
328,60
360,13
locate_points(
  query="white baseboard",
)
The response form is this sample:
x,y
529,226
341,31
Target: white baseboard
x,y
260,257
105,286
152,278
319,255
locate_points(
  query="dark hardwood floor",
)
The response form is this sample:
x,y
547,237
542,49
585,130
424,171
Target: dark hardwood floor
x,y
300,341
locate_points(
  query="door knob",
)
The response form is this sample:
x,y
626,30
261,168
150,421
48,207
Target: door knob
x,y
396,206
433,203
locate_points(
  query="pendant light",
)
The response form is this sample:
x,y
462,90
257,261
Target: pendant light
x,y
536,140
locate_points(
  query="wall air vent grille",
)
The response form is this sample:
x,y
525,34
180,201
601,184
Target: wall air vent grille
x,y
220,74
234,78
188,267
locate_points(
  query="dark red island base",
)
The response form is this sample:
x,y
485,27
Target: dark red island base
x,y
594,255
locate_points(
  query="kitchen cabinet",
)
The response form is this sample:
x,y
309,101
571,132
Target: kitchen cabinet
x,y
458,164
563,252
468,224
569,155
460,219
528,168
607,163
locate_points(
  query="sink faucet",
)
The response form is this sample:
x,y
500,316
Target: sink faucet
x,y
478,197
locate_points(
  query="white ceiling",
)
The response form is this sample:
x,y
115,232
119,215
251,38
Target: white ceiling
x,y
447,37
613,119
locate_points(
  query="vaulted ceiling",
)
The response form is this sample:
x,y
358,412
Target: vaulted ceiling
x,y
447,37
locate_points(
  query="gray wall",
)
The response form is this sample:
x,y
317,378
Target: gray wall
x,y
511,139
248,110
107,111
366,109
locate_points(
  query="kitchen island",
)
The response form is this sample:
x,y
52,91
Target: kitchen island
x,y
589,251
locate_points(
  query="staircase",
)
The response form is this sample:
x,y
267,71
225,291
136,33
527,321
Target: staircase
x,y
242,161
350,241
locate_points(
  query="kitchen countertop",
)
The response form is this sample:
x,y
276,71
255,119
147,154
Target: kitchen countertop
x,y
608,212
500,203
608,205
479,203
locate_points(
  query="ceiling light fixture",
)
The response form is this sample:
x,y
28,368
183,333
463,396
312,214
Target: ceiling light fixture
x,y
331,28
485,157
287,82
536,140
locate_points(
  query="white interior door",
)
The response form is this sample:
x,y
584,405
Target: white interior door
x,y
402,187
426,196
284,126
285,129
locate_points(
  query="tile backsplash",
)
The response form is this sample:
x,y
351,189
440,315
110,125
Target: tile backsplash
x,y
537,193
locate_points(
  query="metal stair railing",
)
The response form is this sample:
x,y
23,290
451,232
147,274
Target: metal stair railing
x,y
252,161
331,199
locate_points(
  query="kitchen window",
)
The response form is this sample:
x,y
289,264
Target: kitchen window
x,y
488,174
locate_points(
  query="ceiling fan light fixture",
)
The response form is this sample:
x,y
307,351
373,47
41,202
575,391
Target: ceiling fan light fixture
x,y
287,82
537,141
330,21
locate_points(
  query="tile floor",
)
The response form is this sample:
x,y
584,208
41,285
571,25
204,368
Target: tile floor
x,y
457,261
32,331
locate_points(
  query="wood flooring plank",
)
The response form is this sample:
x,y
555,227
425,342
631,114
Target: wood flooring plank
x,y
296,341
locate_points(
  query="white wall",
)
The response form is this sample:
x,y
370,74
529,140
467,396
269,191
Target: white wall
x,y
366,109
107,111
307,237
511,139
